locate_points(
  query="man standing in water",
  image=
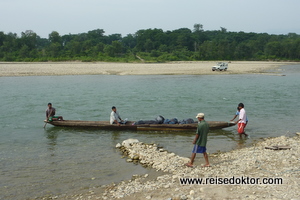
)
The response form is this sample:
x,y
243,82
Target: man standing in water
x,y
200,141
237,114
242,120
50,114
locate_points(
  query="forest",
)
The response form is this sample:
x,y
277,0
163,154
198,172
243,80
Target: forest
x,y
150,45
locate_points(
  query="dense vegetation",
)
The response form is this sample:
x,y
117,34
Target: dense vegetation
x,y
151,45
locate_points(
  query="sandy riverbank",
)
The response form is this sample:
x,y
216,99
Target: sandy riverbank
x,y
252,162
172,68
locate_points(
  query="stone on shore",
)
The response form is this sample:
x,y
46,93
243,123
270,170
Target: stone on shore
x,y
252,162
129,142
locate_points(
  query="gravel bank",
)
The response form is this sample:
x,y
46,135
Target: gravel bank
x,y
255,162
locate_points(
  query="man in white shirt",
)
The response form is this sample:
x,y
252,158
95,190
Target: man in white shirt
x,y
242,120
115,118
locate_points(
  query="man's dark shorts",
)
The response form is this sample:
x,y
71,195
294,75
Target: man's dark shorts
x,y
198,149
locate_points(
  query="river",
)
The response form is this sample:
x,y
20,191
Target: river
x,y
35,162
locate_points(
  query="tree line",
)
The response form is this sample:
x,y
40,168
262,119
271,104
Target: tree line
x,y
150,45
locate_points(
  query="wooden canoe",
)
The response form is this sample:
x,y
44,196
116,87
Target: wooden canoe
x,y
105,125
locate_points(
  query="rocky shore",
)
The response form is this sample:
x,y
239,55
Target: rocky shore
x,y
253,162
249,167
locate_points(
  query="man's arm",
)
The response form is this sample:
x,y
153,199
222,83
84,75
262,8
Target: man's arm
x,y
196,138
116,116
234,117
238,121
52,112
119,116
49,113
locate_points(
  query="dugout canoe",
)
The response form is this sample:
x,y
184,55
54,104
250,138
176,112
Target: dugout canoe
x,y
105,125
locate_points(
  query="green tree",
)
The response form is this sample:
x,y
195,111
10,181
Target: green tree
x,y
109,50
54,50
223,30
54,37
149,45
74,48
183,38
24,52
273,49
2,38
29,38
198,28
118,48
113,37
242,51
149,39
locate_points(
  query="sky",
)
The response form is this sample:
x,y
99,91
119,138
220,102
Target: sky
x,y
128,16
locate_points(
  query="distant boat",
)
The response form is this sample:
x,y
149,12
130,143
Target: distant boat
x,y
105,125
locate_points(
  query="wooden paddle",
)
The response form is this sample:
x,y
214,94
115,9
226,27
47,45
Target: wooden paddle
x,y
48,118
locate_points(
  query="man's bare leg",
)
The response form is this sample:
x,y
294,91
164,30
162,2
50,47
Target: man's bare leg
x,y
190,164
206,160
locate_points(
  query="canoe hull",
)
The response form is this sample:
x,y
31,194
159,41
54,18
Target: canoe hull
x,y
105,125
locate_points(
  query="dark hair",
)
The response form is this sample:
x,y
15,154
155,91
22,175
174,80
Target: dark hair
x,y
49,104
113,107
241,105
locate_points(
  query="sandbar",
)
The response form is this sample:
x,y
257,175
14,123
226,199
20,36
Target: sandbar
x,y
104,68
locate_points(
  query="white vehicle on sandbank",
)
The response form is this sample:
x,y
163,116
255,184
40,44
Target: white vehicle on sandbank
x,y
220,66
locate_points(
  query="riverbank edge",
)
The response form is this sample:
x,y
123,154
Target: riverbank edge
x,y
253,162
172,68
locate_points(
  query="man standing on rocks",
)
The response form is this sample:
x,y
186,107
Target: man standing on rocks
x,y
200,141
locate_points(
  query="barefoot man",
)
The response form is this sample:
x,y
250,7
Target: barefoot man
x,y
200,141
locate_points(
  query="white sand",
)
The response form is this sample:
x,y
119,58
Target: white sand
x,y
172,68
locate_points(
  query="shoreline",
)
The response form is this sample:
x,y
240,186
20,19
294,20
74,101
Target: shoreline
x,y
255,162
12,69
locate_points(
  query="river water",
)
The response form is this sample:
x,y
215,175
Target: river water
x,y
35,162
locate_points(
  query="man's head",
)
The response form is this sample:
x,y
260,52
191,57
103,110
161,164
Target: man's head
x,y
49,105
241,105
114,108
200,116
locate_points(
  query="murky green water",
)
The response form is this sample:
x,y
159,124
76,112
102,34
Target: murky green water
x,y
35,161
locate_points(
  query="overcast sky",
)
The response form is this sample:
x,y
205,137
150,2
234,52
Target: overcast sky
x,y
128,16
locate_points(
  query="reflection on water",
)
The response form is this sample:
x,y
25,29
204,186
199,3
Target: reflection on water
x,y
52,142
